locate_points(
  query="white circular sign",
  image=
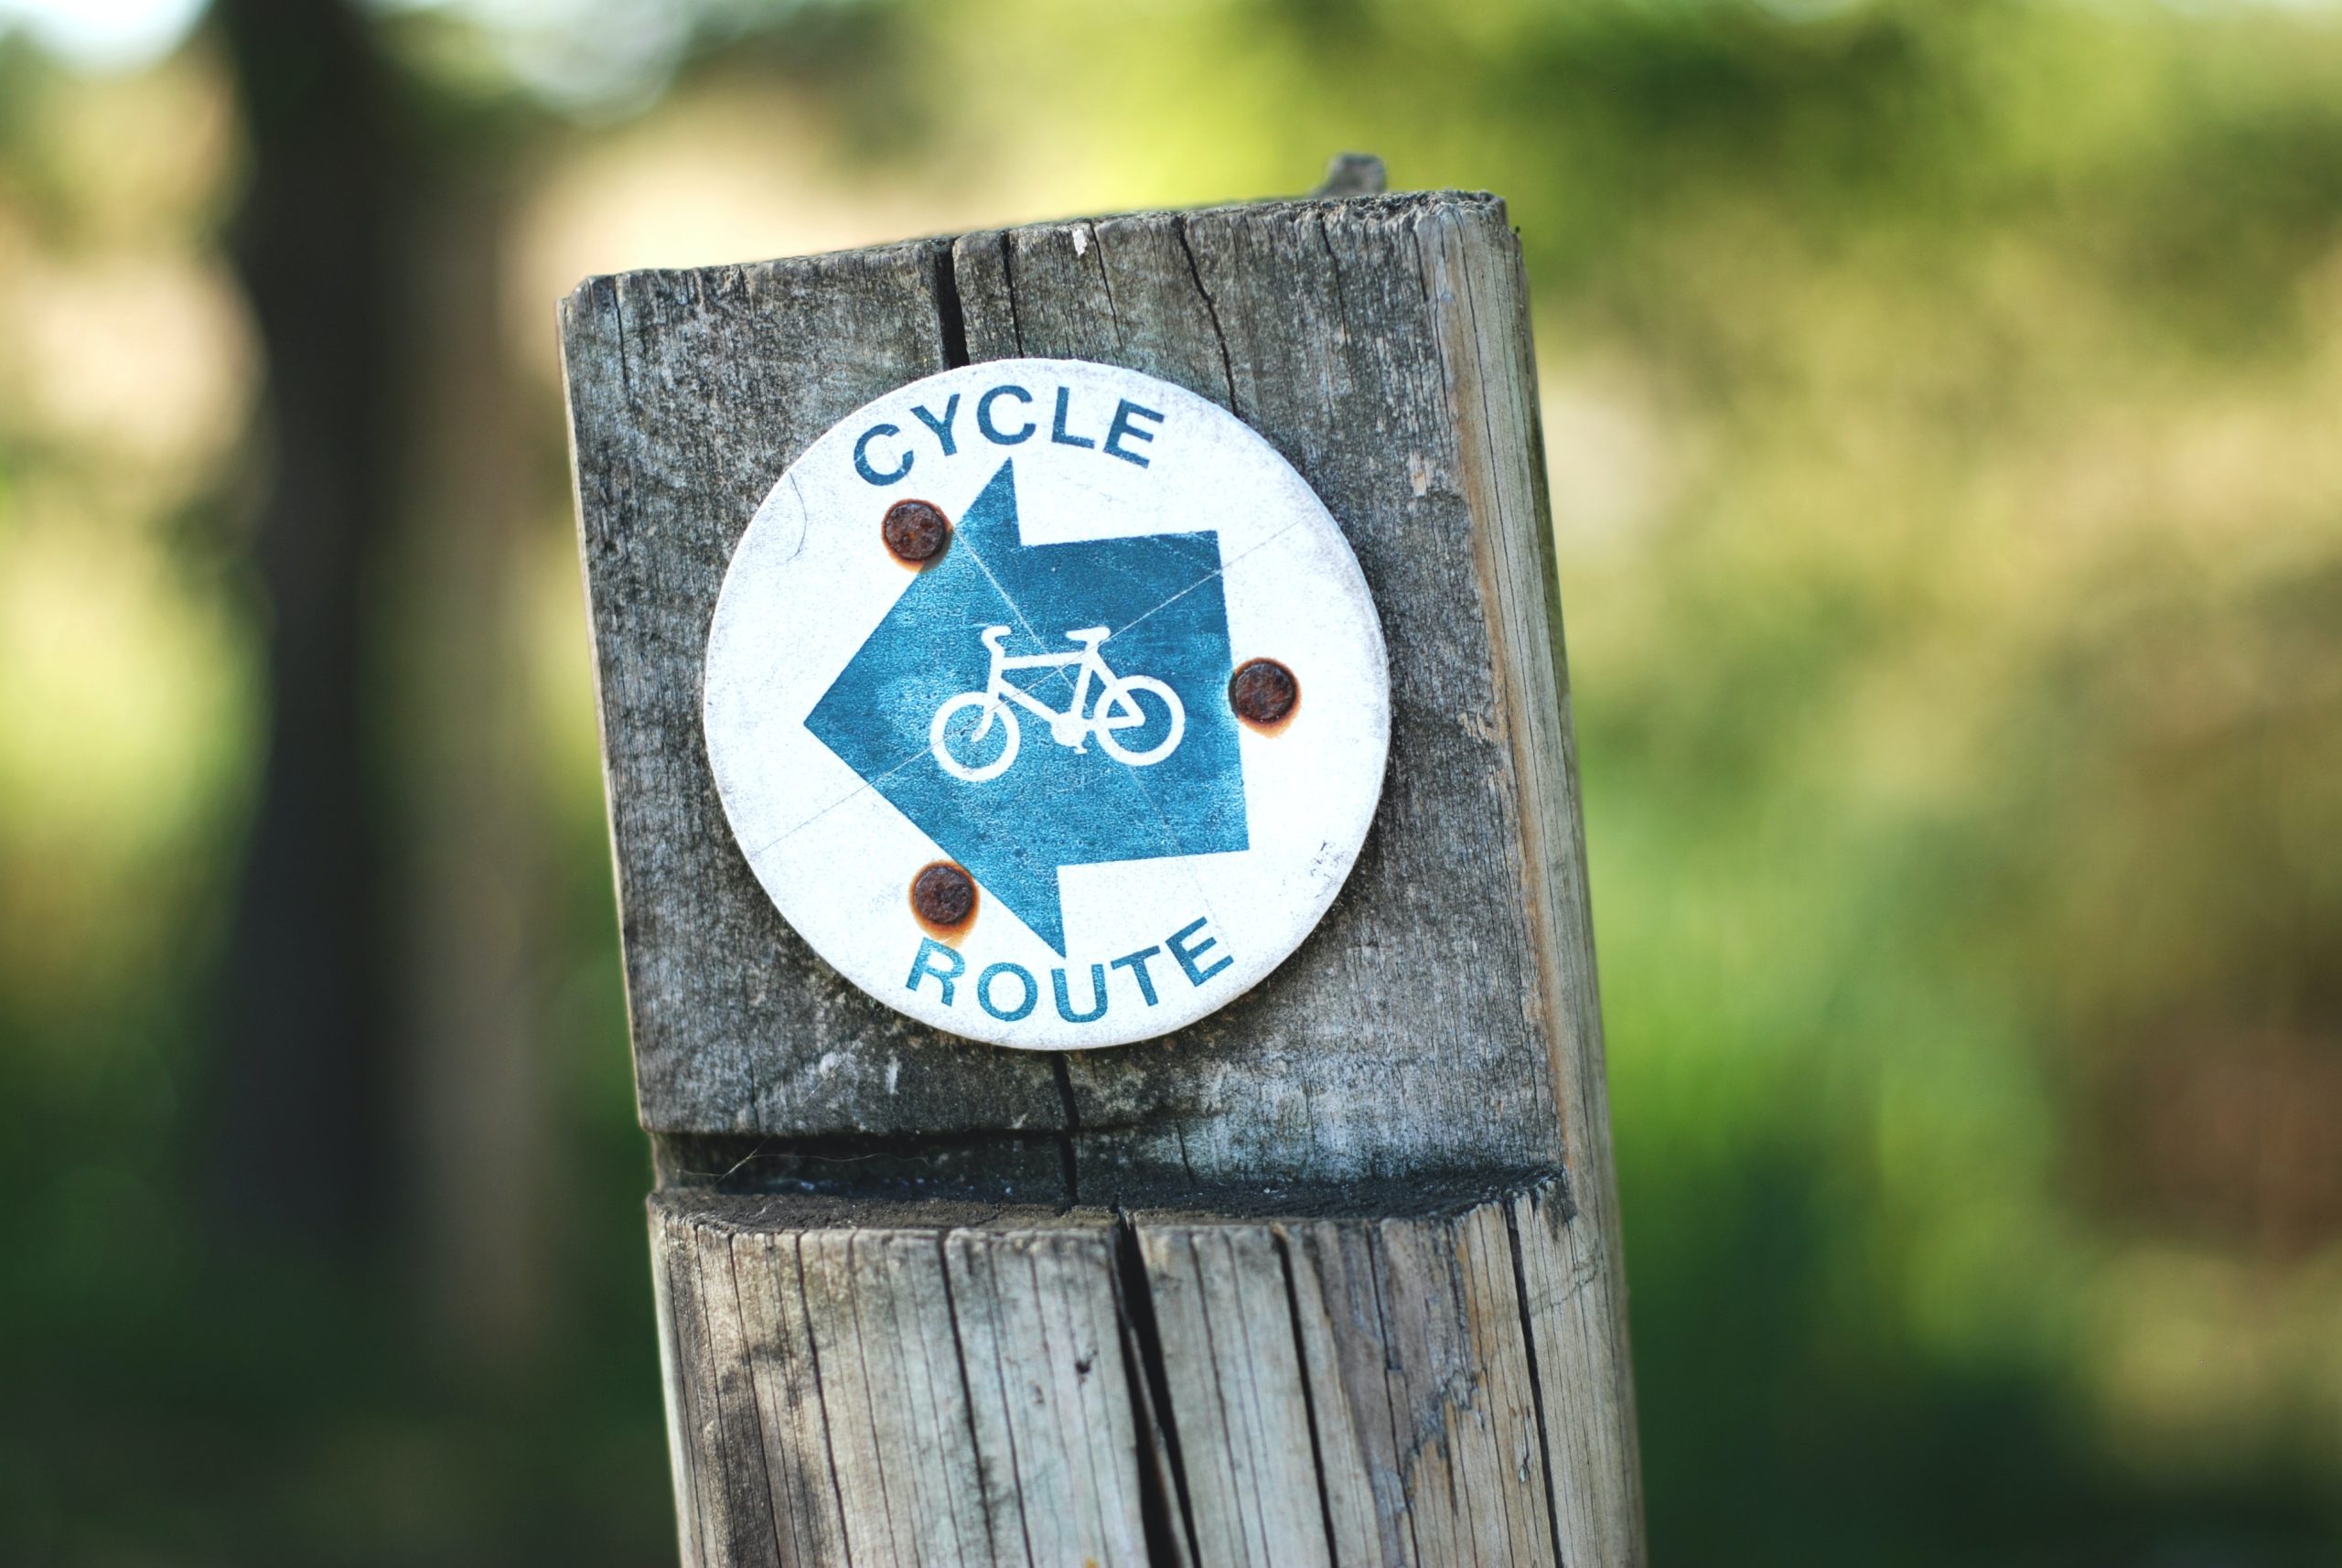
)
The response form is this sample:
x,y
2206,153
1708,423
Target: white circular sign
x,y
1047,702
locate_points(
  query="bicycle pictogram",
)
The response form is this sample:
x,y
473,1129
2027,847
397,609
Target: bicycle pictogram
x,y
1118,708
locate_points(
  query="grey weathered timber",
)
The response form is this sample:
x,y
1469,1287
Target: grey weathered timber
x,y
1349,1245
688,392
873,1384
1416,1387
1379,343
848,1386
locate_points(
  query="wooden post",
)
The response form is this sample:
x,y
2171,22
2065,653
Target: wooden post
x,y
1330,1277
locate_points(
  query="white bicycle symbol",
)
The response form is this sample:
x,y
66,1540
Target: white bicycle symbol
x,y
1117,708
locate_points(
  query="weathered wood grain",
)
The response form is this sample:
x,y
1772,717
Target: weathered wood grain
x,y
1051,1391
1571,1302
1380,344
1405,1347
1481,297
1234,1367
688,392
852,1387
1417,1036
856,1385
1333,1299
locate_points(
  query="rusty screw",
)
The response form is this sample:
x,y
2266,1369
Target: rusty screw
x,y
1262,692
915,530
944,895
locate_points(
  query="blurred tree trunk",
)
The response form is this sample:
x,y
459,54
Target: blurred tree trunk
x,y
475,1099
299,1127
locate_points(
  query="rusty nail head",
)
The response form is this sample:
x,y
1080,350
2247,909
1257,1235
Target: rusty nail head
x,y
915,530
943,894
1262,691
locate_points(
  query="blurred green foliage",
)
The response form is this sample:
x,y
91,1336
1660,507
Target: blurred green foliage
x,y
1942,407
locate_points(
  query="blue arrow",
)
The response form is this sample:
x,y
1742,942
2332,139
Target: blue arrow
x,y
1064,799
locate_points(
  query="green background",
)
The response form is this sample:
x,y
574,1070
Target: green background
x,y
1942,403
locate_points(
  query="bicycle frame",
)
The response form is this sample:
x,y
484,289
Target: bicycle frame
x,y
1088,663
1118,707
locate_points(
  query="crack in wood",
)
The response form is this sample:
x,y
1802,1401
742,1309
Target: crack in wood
x,y
1310,1389
1163,1497
968,1395
1211,311
1536,1382
820,1398
950,317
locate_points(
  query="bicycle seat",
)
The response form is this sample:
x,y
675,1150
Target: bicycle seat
x,y
1090,634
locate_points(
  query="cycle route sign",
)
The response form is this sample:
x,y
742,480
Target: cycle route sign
x,y
1047,702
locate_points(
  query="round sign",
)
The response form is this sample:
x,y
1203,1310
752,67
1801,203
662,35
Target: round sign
x,y
1047,703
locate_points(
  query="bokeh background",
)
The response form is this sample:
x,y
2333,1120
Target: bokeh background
x,y
1944,409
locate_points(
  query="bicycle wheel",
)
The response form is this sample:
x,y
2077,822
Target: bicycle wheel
x,y
1119,709
941,739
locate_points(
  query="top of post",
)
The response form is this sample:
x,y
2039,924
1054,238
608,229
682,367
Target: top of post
x,y
1440,1019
